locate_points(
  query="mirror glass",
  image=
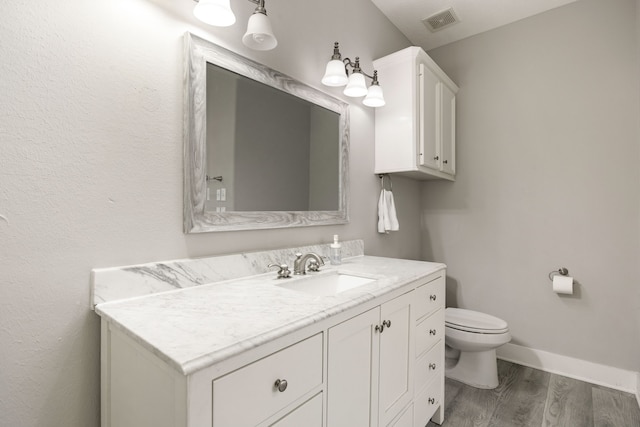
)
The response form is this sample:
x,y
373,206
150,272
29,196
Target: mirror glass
x,y
268,150
262,150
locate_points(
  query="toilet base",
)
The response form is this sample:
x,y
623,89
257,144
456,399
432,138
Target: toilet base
x,y
475,368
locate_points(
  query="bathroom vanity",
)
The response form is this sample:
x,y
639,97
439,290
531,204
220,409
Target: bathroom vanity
x,y
218,342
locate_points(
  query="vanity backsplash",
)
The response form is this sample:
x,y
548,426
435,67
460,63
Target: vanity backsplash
x,y
115,283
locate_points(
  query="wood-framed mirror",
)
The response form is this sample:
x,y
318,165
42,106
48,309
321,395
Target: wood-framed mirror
x,y
261,149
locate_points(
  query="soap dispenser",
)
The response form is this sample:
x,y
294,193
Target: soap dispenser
x,y
336,251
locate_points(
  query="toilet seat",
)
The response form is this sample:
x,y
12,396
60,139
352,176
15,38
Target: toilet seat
x,y
474,321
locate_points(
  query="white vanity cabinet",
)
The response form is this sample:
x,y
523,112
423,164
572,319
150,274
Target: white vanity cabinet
x,y
370,365
415,130
376,363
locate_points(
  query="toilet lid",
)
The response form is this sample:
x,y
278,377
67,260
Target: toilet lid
x,y
474,321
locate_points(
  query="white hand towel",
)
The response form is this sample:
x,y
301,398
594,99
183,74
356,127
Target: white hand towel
x,y
387,219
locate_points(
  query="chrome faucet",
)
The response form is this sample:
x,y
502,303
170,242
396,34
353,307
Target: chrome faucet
x,y
299,265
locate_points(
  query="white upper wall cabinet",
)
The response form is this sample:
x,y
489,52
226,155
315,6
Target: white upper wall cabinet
x,y
415,130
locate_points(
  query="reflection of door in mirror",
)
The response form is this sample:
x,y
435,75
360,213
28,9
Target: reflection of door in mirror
x,y
273,150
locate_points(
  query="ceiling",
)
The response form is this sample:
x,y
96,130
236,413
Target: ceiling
x,y
474,16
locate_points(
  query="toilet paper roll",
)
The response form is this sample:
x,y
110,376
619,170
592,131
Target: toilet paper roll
x,y
563,284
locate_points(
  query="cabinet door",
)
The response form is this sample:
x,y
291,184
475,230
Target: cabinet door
x,y
352,372
447,130
429,146
396,357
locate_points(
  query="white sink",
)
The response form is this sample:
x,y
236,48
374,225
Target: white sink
x,y
325,284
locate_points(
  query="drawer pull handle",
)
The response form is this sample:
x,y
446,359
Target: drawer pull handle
x,y
432,366
281,385
433,297
380,328
432,332
386,323
432,400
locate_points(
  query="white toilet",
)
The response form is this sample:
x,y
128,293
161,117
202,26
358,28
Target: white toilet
x,y
471,340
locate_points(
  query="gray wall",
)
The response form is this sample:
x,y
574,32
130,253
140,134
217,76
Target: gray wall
x,y
548,176
91,170
637,299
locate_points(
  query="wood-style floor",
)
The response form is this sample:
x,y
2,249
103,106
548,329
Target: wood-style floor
x,y
529,397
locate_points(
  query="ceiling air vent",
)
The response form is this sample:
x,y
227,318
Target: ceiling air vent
x,y
440,20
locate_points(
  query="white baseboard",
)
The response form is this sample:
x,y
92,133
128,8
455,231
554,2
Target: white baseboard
x,y
595,373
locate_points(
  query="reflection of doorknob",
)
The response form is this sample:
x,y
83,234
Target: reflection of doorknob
x,y
214,178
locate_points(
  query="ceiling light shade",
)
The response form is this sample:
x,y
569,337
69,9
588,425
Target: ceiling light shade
x,y
335,74
215,12
374,97
356,86
259,35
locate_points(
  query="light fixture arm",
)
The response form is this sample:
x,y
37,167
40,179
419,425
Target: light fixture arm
x,y
260,8
357,69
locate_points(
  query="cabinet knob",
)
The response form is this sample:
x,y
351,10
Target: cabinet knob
x,y
281,385
436,158
445,161
380,328
432,400
386,323
433,297
432,366
432,332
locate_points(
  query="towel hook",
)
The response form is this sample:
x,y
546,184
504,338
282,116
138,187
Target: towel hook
x,y
382,175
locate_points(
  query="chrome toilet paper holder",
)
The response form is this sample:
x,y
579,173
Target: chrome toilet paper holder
x,y
561,271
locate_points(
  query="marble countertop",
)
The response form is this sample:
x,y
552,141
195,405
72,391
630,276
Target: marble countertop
x,y
193,328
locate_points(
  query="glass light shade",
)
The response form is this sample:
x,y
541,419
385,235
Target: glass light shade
x,y
259,35
335,74
215,12
374,97
356,86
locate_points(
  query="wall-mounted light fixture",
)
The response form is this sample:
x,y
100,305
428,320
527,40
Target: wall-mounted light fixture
x,y
259,35
337,74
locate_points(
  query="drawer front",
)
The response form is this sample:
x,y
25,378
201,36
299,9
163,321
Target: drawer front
x,y
426,404
429,331
429,366
309,414
249,395
430,297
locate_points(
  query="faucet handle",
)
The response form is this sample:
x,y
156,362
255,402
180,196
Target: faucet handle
x,y
283,270
313,265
